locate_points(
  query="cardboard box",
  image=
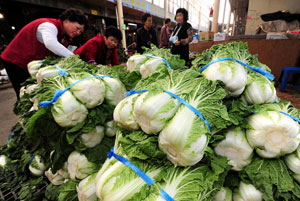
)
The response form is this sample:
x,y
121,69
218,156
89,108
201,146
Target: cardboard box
x,y
206,36
219,36
276,35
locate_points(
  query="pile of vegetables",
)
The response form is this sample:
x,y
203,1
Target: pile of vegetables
x,y
215,132
154,60
65,139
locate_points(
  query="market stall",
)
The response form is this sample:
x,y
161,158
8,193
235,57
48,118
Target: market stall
x,y
153,130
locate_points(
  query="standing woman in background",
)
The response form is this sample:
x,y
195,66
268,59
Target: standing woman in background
x,y
40,38
182,35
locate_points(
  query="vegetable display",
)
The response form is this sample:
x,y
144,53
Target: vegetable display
x,y
154,130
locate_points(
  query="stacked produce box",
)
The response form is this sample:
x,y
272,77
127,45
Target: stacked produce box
x,y
154,131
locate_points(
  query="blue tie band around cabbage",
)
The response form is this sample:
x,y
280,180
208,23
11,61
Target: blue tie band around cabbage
x,y
294,118
60,92
151,56
190,107
31,159
256,69
131,92
61,71
166,196
11,134
144,176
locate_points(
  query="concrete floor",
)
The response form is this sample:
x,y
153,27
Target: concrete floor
x,y
7,118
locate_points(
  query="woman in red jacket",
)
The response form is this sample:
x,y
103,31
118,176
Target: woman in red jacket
x,y
102,49
38,39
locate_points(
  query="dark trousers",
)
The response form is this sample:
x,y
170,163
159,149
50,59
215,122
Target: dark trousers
x,y
16,74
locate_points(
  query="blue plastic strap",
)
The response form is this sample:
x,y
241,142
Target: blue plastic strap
x,y
60,92
132,91
61,71
126,162
294,118
166,62
31,159
256,69
190,107
166,196
145,177
11,134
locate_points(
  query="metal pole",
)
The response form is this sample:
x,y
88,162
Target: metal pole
x,y
215,25
117,16
199,25
222,28
121,21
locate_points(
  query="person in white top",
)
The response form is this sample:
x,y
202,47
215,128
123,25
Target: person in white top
x,y
40,38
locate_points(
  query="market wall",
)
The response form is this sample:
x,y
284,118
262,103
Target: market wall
x,y
259,7
273,53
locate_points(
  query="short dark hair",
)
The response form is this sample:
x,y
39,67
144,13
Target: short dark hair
x,y
74,15
184,12
145,17
113,31
167,20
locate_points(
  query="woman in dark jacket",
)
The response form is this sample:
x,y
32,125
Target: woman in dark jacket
x,y
182,35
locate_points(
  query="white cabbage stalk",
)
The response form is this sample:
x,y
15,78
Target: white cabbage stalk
x,y
110,161
225,194
184,138
181,184
115,90
35,105
111,128
67,111
60,177
153,111
94,137
247,192
119,182
22,91
86,189
273,134
236,148
55,179
79,167
260,91
33,67
64,171
293,163
37,167
151,66
90,92
45,72
231,73
123,113
3,160
135,62
30,88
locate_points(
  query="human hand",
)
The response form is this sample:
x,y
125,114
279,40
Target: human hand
x,y
177,43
